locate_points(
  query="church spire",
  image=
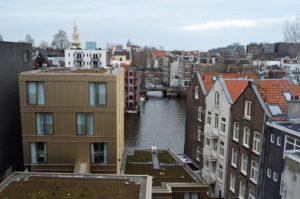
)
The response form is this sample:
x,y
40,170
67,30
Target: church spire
x,y
75,40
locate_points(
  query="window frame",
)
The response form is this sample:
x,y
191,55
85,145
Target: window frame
x,y
86,123
272,138
234,157
223,125
216,126
254,172
217,98
279,140
244,162
247,110
105,161
275,176
37,153
44,124
209,117
97,84
236,131
269,173
246,137
37,83
200,113
221,149
232,183
242,188
196,92
256,145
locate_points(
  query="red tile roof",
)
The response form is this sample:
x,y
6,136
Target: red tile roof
x,y
158,53
235,87
208,77
271,91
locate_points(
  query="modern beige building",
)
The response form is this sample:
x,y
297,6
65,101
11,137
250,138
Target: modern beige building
x,y
72,120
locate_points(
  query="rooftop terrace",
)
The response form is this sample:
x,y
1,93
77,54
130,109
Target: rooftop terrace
x,y
170,168
60,186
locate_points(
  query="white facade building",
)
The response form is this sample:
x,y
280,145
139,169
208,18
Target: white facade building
x,y
174,70
216,130
85,58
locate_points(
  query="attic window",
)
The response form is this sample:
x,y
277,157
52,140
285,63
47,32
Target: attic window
x,y
287,95
275,109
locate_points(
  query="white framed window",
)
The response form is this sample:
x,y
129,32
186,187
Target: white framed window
x,y
254,172
236,130
213,166
221,151
215,144
242,190
246,137
220,174
196,92
232,182
216,120
251,194
244,164
217,98
199,113
209,117
269,173
256,142
234,157
223,124
199,133
247,112
279,141
198,154
272,139
275,176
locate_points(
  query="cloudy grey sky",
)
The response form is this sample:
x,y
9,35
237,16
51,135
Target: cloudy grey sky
x,y
173,24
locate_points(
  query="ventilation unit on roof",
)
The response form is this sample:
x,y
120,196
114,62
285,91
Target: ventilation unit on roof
x,y
294,97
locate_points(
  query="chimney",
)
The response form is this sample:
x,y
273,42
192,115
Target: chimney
x,y
294,108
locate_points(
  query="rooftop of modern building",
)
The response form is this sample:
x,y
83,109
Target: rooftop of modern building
x,y
55,185
107,71
165,168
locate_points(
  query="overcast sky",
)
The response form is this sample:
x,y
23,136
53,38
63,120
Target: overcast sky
x,y
173,24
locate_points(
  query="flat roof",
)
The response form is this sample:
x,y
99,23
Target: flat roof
x,y
165,168
54,185
107,71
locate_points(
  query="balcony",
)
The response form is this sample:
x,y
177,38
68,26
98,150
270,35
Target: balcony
x,y
207,152
208,177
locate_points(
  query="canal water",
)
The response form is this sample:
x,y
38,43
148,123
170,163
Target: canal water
x,y
161,123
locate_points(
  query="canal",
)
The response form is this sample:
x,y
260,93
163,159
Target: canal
x,y
160,123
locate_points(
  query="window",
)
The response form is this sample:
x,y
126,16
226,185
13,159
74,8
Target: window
x,y
217,98
236,130
275,110
220,175
232,182
254,171
25,56
242,190
196,92
208,117
251,194
38,152
99,153
97,93
85,123
221,148
199,133
275,176
272,140
206,163
35,93
200,113
256,142
223,125
207,141
198,154
191,195
234,157
244,164
278,141
247,112
216,121
287,95
214,167
215,144
246,137
269,173
44,123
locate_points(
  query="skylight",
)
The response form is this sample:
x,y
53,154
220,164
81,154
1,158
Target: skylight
x,y
275,109
287,95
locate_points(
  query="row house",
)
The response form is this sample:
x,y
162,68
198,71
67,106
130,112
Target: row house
x,y
72,119
200,120
253,171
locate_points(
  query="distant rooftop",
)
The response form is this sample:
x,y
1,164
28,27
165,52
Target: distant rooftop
x,y
170,168
73,71
59,186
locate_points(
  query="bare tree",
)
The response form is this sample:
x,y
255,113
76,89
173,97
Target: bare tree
x,y
44,44
60,40
29,39
291,31
1,39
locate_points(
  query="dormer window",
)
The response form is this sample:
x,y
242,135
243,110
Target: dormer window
x,y
275,110
287,95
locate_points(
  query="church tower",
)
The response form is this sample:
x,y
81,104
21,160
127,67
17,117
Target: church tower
x,y
75,40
